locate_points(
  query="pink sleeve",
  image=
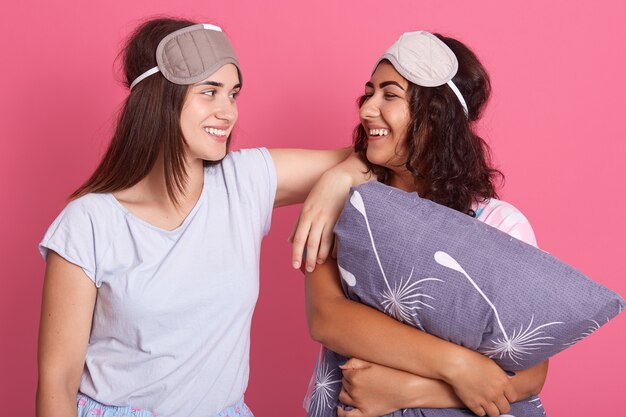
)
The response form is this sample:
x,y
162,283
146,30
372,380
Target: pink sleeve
x,y
508,219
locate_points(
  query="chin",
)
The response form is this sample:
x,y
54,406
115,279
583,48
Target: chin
x,y
215,157
375,158
216,154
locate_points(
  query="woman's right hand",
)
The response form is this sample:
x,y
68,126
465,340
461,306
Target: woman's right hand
x,y
480,383
313,230
373,390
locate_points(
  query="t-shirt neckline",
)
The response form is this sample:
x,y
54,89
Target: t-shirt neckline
x,y
177,229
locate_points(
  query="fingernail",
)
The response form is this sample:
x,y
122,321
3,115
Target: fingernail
x,y
295,264
320,261
309,269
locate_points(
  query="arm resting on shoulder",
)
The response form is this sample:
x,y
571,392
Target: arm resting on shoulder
x,y
297,171
67,308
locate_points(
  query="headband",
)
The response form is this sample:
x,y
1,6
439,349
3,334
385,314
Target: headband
x,y
191,54
423,59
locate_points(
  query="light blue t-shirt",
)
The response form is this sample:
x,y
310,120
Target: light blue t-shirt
x,y
171,325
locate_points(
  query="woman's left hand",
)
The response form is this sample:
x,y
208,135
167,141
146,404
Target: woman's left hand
x,y
372,390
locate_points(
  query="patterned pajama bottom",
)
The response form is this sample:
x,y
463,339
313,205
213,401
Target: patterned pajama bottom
x,y
88,407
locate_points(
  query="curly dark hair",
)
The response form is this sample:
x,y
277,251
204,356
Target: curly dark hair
x,y
444,154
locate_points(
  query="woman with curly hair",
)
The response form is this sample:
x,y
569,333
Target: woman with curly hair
x,y
416,133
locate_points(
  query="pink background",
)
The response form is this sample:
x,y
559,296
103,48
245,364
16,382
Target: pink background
x,y
555,123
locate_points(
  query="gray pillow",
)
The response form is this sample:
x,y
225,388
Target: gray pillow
x,y
457,278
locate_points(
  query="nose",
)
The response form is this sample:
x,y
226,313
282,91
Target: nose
x,y
369,109
226,111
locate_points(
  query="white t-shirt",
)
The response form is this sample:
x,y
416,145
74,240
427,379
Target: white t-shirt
x,y
171,325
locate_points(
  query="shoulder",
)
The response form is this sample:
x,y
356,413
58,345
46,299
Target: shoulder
x,y
90,205
85,219
250,175
246,169
506,218
81,230
82,210
248,158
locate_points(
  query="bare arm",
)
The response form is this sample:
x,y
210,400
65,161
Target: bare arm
x,y
374,390
355,330
66,312
297,171
324,179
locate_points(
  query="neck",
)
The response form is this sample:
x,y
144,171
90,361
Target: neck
x,y
154,187
405,181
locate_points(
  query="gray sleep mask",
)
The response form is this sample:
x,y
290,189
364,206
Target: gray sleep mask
x,y
191,54
423,59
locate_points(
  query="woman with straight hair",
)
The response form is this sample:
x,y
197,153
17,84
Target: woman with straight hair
x,y
152,268
416,133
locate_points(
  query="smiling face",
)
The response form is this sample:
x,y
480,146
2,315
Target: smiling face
x,y
385,116
209,114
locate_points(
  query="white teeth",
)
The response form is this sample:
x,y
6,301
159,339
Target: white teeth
x,y
216,132
379,132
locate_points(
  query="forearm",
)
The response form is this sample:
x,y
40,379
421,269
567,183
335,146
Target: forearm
x,y
430,393
421,392
298,170
355,169
378,390
335,182
356,330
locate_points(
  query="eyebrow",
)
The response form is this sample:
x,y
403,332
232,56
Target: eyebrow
x,y
216,84
385,84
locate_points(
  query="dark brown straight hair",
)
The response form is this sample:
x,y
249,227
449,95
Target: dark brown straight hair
x,y
148,123
444,154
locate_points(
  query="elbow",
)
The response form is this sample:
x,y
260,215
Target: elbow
x,y
318,335
540,380
58,382
531,390
315,326
318,324
534,381
536,389
58,395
